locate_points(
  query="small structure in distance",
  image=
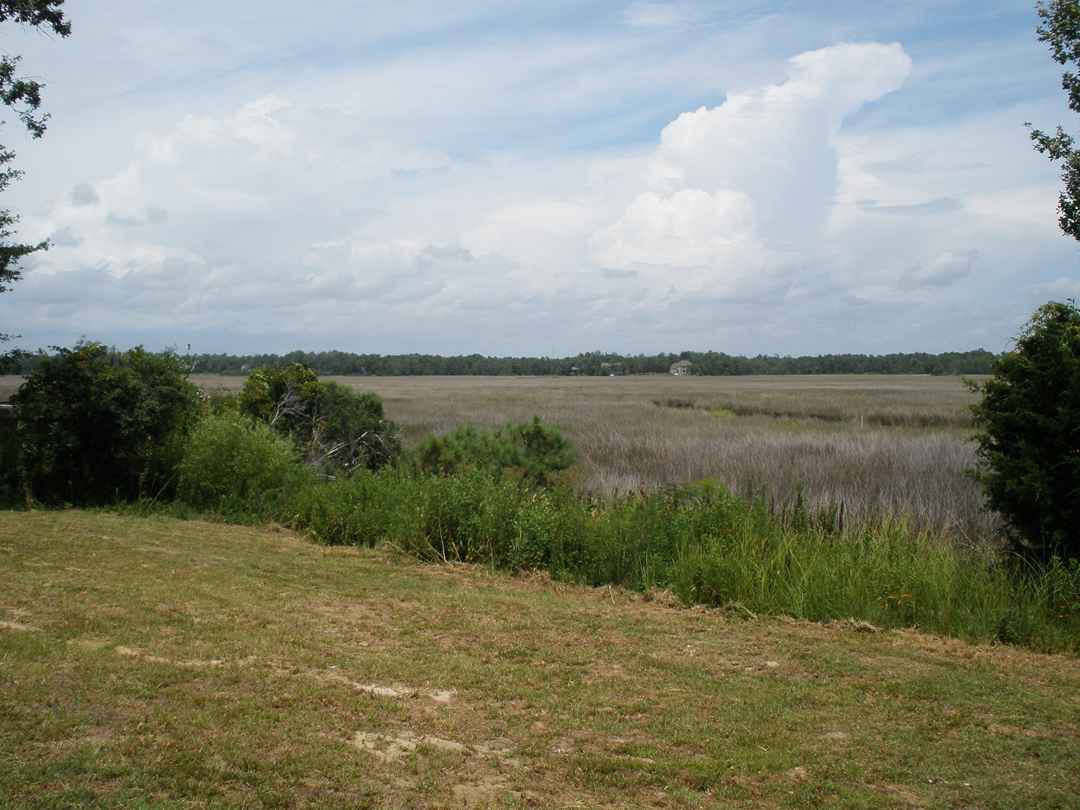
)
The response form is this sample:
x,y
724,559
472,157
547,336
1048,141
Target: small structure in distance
x,y
681,368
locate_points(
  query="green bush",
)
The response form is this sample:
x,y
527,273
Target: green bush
x,y
534,451
335,427
281,397
236,465
351,430
221,402
96,426
1029,435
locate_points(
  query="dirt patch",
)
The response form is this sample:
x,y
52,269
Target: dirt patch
x,y
393,747
443,697
19,627
195,663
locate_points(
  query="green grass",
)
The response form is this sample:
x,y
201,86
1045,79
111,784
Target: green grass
x,y
701,542
160,663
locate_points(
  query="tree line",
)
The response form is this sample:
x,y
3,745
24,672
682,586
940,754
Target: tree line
x,y
590,364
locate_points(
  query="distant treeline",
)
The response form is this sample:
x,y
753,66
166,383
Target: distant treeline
x,y
598,364
591,364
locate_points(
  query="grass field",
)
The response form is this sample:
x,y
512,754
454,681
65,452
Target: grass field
x,y
883,445
156,663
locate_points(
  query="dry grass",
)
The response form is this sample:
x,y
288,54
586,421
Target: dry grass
x,y
154,663
883,445
626,442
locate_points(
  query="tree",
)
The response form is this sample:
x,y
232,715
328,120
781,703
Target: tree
x,y
1029,439
95,426
24,96
334,426
1060,29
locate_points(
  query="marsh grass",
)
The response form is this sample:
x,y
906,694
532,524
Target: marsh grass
x,y
892,447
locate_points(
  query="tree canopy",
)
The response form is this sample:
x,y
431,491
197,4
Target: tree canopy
x,y
23,95
1029,440
1060,29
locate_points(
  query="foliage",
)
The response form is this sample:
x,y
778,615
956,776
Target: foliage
x,y
24,96
281,397
1060,29
238,466
700,541
1029,439
221,402
537,452
351,430
335,426
96,426
594,364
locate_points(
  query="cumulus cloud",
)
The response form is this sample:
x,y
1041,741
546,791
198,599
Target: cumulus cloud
x,y
302,217
742,189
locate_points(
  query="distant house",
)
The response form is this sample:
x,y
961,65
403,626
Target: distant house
x,y
682,368
612,369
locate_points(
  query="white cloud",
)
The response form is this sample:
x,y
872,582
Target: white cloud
x,y
742,189
655,15
409,202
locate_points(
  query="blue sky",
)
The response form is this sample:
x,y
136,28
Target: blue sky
x,y
523,178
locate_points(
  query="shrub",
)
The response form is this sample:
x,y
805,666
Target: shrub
x,y
333,425
281,397
96,426
535,451
221,402
350,429
1029,435
237,465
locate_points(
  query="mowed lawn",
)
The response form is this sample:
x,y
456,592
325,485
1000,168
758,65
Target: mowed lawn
x,y
159,663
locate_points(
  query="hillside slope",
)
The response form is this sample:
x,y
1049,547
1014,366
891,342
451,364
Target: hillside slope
x,y
182,664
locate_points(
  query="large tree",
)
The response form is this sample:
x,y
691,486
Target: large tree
x,y
1029,434
23,95
1060,29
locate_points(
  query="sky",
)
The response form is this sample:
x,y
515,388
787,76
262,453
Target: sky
x,y
522,178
